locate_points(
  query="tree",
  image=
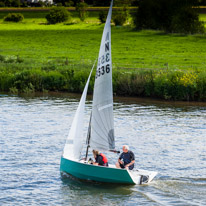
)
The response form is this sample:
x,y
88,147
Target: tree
x,y
15,3
82,10
122,3
102,2
102,16
58,15
168,15
202,2
2,4
135,2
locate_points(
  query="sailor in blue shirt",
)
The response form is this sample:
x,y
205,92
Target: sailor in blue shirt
x,y
126,159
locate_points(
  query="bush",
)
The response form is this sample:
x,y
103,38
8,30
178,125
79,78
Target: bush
x,y
102,16
120,17
129,83
176,85
5,81
201,86
14,17
82,10
53,81
58,15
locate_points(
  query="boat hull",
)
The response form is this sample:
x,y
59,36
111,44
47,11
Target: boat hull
x,y
86,171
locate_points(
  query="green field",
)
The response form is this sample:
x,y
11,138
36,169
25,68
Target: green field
x,y
41,46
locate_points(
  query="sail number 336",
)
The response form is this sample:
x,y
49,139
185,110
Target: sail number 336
x,y
102,70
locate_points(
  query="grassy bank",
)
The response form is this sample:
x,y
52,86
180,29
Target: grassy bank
x,y
40,57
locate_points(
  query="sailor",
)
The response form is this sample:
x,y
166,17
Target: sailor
x,y
126,159
100,159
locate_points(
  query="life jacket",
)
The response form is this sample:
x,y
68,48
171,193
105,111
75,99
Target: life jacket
x,y
104,158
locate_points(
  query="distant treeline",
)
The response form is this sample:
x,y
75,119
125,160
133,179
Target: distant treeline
x,y
68,3
71,3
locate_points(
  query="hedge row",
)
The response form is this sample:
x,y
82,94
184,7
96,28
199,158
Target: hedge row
x,y
164,84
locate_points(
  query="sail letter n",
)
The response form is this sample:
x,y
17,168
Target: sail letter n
x,y
107,47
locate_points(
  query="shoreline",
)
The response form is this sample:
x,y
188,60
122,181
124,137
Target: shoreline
x,y
119,99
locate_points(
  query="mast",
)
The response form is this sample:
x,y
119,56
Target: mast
x,y
88,137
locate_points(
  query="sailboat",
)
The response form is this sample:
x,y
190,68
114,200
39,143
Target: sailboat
x,y
101,127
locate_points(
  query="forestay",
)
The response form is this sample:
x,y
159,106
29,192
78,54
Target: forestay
x,y
102,121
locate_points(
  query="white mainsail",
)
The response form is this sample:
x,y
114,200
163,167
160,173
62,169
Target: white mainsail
x,y
102,121
74,143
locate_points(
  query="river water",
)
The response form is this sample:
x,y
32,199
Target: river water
x,y
166,137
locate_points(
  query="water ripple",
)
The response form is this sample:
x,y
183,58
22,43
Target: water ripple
x,y
166,138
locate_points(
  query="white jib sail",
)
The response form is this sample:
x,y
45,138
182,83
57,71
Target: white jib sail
x,y
74,143
102,122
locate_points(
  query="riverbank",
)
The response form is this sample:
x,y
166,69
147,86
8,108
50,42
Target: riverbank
x,y
163,84
117,99
39,57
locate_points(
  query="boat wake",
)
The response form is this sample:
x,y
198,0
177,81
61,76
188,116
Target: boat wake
x,y
180,191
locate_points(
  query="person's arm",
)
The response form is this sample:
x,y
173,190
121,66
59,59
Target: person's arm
x,y
119,160
131,163
96,161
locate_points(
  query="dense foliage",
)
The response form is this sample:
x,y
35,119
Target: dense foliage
x,y
58,15
102,16
99,2
164,84
82,10
69,3
120,17
10,3
169,15
14,17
